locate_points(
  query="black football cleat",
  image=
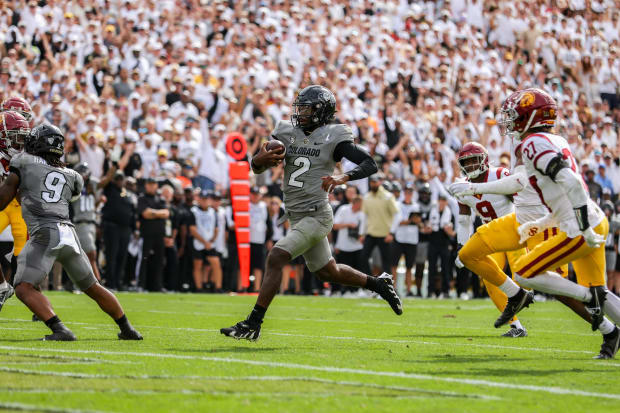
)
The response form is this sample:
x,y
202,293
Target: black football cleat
x,y
515,304
595,306
130,335
515,333
60,335
610,345
388,293
242,330
5,295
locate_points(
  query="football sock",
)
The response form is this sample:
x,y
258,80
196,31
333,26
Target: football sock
x,y
509,287
257,315
123,323
4,286
55,324
611,307
606,326
372,283
552,283
516,324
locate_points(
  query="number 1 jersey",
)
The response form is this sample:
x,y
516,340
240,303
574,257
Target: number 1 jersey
x,y
308,158
45,191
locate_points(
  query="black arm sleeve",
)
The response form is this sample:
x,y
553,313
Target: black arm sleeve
x,y
555,165
366,166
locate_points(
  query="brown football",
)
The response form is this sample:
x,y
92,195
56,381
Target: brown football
x,y
275,145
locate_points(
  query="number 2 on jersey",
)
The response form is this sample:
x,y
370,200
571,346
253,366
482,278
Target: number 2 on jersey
x,y
54,182
304,165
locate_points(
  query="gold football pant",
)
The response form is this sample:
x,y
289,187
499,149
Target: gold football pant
x,y
589,263
500,235
12,215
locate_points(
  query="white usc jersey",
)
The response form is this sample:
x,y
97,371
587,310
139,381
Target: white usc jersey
x,y
527,202
537,150
490,206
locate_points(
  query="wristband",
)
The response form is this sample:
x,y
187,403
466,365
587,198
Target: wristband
x,y
581,214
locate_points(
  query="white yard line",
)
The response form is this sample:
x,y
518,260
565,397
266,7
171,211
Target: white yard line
x,y
332,369
37,408
359,384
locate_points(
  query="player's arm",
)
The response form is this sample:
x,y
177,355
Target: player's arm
x,y
463,224
366,166
8,188
507,185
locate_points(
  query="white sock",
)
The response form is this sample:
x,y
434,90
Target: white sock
x,y
612,307
606,326
4,286
516,324
551,283
509,287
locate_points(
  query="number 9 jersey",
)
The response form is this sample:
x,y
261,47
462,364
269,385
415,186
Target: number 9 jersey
x,y
46,191
490,206
308,158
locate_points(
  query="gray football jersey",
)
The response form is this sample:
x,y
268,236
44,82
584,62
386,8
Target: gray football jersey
x,y
84,208
45,191
308,158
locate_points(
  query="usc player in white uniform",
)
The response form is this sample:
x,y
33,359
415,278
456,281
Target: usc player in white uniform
x,y
473,160
528,116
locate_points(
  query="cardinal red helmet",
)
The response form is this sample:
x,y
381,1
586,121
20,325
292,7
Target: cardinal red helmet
x,y
13,132
526,109
473,150
19,105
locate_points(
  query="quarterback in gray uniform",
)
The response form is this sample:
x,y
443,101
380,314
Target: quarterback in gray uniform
x,y
313,145
46,187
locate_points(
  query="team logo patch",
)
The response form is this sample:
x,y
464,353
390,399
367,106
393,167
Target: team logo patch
x,y
306,141
527,99
292,139
479,196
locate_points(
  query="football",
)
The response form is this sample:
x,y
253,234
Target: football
x,y
275,145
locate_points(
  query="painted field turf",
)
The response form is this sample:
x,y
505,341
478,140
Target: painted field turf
x,y
315,355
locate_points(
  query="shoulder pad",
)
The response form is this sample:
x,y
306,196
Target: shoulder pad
x,y
282,127
340,132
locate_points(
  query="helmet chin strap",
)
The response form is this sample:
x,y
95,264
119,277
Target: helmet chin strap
x,y
529,122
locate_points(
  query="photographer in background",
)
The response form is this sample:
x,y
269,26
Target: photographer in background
x,y
406,236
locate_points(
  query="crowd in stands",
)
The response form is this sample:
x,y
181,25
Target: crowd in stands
x,y
147,91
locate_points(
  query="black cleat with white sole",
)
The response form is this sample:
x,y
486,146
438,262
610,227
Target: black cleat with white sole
x,y
388,293
60,335
595,306
515,304
515,332
130,335
243,330
610,345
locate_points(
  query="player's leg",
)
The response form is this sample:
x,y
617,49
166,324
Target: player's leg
x,y
198,262
286,278
81,273
86,237
498,235
4,222
396,252
332,271
35,262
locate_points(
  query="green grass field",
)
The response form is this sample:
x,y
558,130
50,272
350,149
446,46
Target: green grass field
x,y
315,355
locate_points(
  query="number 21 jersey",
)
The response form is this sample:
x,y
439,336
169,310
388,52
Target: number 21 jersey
x,y
308,158
45,191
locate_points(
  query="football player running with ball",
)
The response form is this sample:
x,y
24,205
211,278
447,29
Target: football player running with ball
x,y
46,187
313,145
545,174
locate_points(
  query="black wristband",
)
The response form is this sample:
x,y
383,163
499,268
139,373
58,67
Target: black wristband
x,y
581,214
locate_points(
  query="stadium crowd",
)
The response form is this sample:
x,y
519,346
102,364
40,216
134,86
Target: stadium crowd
x,y
147,91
